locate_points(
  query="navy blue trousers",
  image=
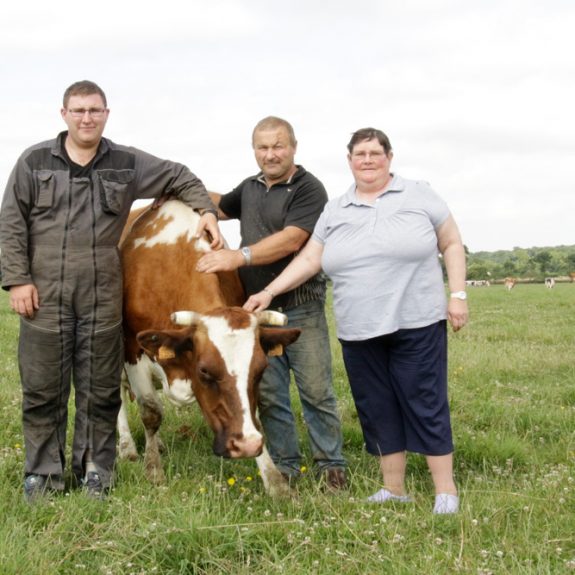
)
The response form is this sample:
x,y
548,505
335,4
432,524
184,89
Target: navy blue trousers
x,y
399,385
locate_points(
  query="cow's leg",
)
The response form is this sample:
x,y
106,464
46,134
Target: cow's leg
x,y
140,378
152,413
126,446
275,483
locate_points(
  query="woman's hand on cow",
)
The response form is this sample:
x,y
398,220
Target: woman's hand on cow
x,y
258,301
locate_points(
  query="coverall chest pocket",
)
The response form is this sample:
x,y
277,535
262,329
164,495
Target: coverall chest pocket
x,y
115,190
46,184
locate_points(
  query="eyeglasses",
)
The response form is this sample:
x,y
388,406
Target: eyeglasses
x,y
375,155
92,112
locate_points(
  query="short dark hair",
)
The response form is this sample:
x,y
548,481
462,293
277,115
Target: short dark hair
x,y
271,122
366,134
83,88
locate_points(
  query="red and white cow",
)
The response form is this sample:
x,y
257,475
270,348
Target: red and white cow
x,y
550,283
217,359
509,283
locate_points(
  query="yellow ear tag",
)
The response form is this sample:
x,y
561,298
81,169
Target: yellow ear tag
x,y
165,353
276,350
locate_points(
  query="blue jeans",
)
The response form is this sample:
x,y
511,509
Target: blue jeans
x,y
310,360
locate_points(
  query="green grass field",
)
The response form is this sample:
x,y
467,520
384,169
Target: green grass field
x,y
512,390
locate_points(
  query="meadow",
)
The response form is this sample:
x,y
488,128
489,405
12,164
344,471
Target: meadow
x,y
512,392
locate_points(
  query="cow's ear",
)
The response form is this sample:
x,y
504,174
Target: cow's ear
x,y
164,345
274,339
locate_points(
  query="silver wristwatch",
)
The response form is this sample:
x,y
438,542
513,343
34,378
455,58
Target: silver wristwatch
x,y
247,253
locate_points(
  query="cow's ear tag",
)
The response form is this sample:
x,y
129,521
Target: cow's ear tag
x,y
276,350
165,353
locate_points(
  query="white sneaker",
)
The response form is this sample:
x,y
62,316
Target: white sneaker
x,y
384,495
446,503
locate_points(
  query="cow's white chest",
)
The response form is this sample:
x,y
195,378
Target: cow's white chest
x,y
179,392
146,374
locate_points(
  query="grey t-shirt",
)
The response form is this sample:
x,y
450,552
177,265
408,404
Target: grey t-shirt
x,y
383,259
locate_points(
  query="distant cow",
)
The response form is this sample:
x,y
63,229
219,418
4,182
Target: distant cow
x,y
550,283
572,276
509,283
218,359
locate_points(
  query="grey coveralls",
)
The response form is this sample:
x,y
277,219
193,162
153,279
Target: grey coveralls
x,y
61,233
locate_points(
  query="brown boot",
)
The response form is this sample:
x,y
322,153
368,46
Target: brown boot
x,y
335,478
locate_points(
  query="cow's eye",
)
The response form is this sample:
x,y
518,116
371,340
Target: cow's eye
x,y
207,377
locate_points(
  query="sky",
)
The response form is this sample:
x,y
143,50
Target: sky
x,y
477,97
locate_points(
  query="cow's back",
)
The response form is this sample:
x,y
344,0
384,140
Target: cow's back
x,y
159,256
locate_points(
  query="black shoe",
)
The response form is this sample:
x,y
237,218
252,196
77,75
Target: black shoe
x,y
35,487
335,478
93,487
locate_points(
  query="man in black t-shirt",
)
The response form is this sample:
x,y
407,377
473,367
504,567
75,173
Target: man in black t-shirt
x,y
278,209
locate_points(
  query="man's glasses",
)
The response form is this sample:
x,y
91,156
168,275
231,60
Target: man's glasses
x,y
92,112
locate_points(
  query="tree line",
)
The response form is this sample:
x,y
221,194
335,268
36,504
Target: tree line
x,y
533,263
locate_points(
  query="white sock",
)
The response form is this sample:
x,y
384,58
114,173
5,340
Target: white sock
x,y
384,495
446,503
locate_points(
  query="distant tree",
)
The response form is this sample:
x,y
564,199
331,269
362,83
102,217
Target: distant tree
x,y
509,268
477,271
522,262
543,260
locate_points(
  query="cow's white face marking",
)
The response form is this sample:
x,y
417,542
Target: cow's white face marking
x,y
182,222
236,347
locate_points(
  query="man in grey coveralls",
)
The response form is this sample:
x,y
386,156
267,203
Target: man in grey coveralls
x,y
62,215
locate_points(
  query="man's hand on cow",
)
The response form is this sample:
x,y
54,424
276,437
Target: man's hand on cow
x,y
209,224
457,313
220,261
24,299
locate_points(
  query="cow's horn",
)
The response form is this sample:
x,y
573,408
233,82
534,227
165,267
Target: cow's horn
x,y
269,317
185,317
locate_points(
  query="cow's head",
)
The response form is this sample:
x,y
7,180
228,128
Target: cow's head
x,y
222,354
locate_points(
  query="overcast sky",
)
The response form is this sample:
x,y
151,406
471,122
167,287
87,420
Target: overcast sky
x,y
477,97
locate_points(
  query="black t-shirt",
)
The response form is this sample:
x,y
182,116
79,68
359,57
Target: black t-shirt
x,y
263,212
76,170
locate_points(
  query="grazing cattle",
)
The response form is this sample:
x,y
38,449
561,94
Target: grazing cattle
x,y
550,283
478,283
509,283
217,359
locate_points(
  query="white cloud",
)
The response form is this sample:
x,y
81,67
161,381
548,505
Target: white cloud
x,y
475,96
59,24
